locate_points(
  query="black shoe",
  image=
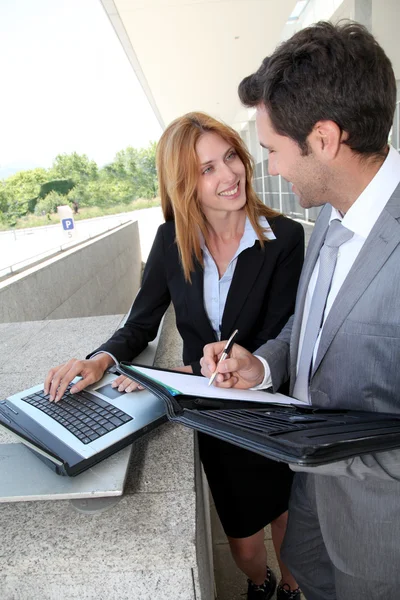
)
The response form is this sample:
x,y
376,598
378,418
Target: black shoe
x,y
284,592
265,591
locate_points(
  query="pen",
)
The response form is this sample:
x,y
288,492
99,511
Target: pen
x,y
224,354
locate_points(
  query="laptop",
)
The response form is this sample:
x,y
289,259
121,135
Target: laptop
x,y
81,429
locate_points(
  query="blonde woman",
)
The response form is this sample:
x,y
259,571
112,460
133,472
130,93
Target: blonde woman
x,y
225,261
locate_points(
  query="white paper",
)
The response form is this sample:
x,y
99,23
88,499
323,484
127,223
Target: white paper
x,y
194,385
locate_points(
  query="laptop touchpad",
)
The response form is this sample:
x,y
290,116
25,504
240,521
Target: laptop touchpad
x,y
109,391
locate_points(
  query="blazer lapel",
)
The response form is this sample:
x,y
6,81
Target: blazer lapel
x,y
248,267
194,296
382,241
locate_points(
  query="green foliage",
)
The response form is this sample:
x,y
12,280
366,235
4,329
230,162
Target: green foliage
x,y
49,204
20,189
3,204
147,184
124,165
73,166
84,213
73,177
61,186
138,167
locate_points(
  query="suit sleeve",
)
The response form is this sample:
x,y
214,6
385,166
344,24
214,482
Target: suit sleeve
x,y
277,354
368,467
147,310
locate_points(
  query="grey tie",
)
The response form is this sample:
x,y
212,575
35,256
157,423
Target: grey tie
x,y
335,237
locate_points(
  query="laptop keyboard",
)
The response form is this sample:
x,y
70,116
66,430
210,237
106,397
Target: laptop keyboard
x,y
86,416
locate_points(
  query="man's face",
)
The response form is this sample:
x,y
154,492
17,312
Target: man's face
x,y
307,174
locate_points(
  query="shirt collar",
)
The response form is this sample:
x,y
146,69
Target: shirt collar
x,y
363,214
249,236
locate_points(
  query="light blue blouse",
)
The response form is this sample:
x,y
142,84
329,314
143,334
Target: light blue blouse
x,y
215,290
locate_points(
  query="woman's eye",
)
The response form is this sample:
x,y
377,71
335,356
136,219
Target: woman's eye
x,y
231,155
207,170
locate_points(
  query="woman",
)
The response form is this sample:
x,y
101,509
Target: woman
x,y
226,261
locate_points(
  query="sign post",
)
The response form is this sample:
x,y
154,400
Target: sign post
x,y
67,221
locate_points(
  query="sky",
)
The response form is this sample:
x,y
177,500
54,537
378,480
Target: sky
x,y
67,85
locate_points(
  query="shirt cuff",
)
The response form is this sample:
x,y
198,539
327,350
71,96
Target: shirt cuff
x,y
267,381
112,356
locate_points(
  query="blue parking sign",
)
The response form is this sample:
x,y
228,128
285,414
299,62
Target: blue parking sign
x,y
67,224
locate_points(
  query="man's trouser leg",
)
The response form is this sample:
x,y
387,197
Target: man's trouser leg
x,y
303,549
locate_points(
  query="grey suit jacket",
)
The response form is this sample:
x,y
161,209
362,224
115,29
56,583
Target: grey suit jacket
x,y
357,367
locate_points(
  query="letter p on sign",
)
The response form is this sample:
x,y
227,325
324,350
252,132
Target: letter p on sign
x,y
67,224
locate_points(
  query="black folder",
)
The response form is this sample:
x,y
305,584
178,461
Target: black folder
x,y
295,434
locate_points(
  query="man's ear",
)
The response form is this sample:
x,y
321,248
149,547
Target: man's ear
x,y
325,139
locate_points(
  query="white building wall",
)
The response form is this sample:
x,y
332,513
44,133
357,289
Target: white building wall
x,y
386,29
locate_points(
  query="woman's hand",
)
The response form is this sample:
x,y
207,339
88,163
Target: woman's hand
x,y
91,370
125,384
186,369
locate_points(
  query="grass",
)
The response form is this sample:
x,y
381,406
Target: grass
x,y
88,212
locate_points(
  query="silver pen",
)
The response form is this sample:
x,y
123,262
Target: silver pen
x,y
226,350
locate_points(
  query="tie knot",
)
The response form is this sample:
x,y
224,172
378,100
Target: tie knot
x,y
337,234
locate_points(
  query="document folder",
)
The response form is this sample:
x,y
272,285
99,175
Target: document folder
x,y
279,427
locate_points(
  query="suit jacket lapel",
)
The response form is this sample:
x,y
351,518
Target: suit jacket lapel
x,y
194,296
380,244
248,267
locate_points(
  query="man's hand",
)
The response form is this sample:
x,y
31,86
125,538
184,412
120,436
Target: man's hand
x,y
92,370
241,369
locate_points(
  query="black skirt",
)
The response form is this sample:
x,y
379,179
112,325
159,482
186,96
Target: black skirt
x,y
249,490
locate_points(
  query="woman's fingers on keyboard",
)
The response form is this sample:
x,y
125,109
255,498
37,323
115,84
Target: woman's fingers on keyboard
x,y
125,384
60,377
53,380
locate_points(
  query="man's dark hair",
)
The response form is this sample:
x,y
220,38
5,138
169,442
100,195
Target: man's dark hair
x,y
327,72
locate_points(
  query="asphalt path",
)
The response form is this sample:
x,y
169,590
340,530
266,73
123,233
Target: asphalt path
x,y
19,248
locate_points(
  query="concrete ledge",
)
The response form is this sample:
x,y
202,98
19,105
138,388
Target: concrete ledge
x,y
152,544
99,277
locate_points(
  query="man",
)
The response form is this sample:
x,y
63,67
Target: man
x,y
325,102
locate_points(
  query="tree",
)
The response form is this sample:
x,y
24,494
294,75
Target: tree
x,y
3,203
74,177
147,183
49,204
61,186
74,166
138,167
21,189
104,191
124,165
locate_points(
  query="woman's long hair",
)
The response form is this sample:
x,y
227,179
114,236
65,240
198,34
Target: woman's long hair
x,y
178,174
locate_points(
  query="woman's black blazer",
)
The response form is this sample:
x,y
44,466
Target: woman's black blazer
x,y
261,297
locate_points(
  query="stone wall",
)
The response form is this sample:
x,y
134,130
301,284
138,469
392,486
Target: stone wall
x,y
99,277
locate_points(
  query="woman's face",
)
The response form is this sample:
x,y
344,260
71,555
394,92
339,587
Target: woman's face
x,y
221,185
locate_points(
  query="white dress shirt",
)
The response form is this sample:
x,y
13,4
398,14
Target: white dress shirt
x,y
360,219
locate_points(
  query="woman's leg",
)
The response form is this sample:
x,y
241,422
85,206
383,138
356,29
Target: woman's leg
x,y
278,529
250,556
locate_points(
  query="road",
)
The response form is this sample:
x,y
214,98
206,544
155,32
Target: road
x,y
21,247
